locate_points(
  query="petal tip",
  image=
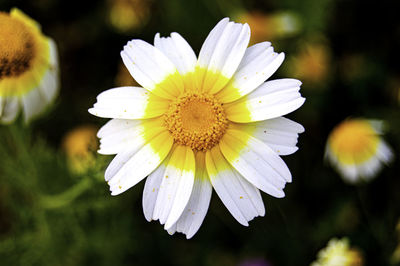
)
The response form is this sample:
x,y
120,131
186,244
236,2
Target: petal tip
x,y
92,111
281,194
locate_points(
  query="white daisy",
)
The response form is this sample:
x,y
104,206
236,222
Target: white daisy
x,y
339,253
28,67
356,149
200,123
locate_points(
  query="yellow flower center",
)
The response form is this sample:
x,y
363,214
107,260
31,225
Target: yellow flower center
x,y
17,46
354,141
196,120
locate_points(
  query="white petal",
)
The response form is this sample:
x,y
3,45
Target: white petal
x,y
33,103
256,162
377,125
50,84
272,99
140,164
151,69
242,199
118,134
222,51
196,209
258,64
128,103
280,134
53,54
210,43
172,229
151,189
10,109
115,125
176,186
122,158
384,152
283,124
178,51
369,169
349,172
384,155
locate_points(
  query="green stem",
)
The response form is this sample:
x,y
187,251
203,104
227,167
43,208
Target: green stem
x,y
66,197
21,143
368,218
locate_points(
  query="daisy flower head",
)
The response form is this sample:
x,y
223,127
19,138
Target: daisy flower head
x,y
200,123
356,149
338,252
28,67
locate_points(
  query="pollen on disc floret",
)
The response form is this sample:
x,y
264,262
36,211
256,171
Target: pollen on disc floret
x,y
196,120
17,50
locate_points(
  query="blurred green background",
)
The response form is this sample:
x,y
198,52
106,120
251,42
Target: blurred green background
x,y
346,53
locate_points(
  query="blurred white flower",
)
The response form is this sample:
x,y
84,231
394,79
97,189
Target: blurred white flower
x,y
28,67
357,150
80,145
338,253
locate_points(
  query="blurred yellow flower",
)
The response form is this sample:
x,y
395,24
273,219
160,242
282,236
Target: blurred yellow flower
x,y
356,149
338,253
312,63
28,67
270,26
129,15
80,145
